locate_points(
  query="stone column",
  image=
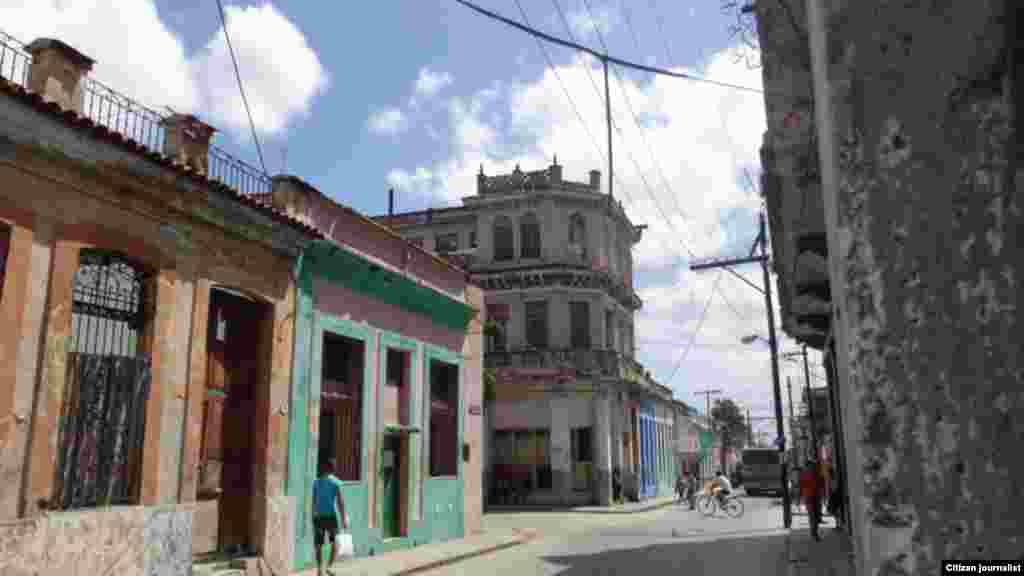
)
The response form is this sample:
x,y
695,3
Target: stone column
x,y
561,455
602,450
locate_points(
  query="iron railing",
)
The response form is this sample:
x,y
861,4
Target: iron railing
x,y
118,113
15,61
123,115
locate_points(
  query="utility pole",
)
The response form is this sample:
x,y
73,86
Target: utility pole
x,y
810,406
762,242
711,425
608,121
792,415
750,430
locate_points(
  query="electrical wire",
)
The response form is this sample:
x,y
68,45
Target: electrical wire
x,y
661,71
241,88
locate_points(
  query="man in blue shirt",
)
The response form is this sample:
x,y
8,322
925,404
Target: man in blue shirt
x,y
328,508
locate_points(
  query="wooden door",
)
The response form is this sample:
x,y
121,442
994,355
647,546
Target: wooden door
x,y
234,369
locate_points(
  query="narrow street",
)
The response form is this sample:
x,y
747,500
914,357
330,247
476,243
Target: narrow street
x,y
661,541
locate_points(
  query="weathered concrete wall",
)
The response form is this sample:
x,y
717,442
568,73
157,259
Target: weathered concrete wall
x,y
63,192
123,540
928,253
473,400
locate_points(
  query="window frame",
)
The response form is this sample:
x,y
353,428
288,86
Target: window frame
x,y
445,238
546,316
503,223
531,243
344,328
433,354
579,337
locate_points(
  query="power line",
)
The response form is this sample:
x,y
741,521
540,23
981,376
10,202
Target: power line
x,y
643,178
241,88
700,324
654,69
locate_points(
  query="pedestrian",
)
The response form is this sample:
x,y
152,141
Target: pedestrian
x,y
835,503
328,512
616,485
691,490
809,494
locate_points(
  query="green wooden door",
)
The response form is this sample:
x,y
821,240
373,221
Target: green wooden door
x,y
391,492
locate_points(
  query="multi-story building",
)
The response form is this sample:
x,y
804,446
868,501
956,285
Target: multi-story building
x,y
571,403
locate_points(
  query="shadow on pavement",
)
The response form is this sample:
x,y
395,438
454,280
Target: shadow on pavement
x,y
763,555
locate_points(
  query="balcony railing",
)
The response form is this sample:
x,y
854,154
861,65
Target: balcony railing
x,y
606,363
137,122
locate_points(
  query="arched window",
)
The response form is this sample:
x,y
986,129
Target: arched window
x,y
529,230
578,235
504,239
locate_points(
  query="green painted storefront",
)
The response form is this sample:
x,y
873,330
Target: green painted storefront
x,y
440,514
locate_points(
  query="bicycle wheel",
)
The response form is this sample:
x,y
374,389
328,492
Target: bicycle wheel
x,y
733,507
706,505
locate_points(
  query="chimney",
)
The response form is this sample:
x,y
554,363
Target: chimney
x,y
481,181
391,205
595,180
57,71
556,172
296,198
187,141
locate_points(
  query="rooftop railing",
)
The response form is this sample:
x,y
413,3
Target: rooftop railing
x,y
119,113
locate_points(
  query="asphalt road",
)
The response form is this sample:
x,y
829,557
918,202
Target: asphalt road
x,y
670,540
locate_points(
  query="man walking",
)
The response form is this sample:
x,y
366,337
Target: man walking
x,y
328,512
810,492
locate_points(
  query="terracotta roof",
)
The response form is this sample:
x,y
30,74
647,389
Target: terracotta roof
x,y
370,221
86,126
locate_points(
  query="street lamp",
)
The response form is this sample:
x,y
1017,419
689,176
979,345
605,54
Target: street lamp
x,y
750,339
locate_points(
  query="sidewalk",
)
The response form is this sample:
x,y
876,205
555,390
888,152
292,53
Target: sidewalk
x,y
429,556
830,557
624,508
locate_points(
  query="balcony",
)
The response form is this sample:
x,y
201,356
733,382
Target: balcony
x,y
582,362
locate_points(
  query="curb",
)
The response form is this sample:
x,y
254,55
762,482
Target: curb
x,y
521,539
611,510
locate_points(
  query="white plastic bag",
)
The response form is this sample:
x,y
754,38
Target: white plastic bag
x,y
343,545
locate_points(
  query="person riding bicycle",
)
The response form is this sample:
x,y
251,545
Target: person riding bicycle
x,y
721,487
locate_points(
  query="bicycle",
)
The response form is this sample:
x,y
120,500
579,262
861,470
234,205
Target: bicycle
x,y
731,505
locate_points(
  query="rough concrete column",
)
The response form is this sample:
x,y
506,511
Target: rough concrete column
x,y
273,509
161,387
42,447
196,391
23,315
561,455
926,211
602,450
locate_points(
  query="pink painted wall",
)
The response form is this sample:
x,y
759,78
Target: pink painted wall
x,y
342,302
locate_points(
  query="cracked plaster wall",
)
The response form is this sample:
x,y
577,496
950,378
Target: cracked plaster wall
x,y
928,254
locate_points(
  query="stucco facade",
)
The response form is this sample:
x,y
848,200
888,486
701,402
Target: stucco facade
x,y
387,299
80,200
571,404
915,148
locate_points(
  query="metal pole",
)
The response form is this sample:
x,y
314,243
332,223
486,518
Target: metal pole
x,y
608,121
810,407
787,518
792,415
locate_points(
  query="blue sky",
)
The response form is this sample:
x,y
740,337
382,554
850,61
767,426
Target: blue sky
x,y
417,94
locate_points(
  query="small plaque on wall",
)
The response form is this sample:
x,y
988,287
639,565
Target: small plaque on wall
x,y
475,410
465,452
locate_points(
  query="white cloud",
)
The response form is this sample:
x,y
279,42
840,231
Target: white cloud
x,y
584,22
428,83
139,55
280,71
702,137
388,121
